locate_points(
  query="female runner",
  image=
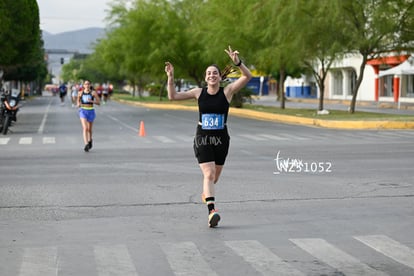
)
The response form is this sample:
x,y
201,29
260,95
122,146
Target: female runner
x,y
87,97
211,142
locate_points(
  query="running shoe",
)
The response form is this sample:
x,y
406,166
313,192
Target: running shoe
x,y
90,144
213,219
86,148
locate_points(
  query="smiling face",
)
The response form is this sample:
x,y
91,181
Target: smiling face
x,y
212,75
87,85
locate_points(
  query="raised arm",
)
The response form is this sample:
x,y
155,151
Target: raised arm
x,y
172,93
235,86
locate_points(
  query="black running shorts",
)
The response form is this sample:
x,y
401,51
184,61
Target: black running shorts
x,y
211,145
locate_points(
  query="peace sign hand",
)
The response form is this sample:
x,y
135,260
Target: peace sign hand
x,y
234,55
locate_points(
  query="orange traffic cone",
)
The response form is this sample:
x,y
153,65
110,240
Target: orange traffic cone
x,y
142,129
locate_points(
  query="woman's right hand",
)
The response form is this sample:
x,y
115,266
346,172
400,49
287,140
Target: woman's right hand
x,y
169,69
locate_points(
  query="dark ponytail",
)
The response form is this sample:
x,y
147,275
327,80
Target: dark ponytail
x,y
226,71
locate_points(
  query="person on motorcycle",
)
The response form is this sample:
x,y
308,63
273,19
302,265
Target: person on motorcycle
x,y
5,98
8,110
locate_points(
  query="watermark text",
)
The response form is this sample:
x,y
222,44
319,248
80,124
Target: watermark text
x,y
294,165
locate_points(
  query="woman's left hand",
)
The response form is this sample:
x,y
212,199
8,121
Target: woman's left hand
x,y
234,55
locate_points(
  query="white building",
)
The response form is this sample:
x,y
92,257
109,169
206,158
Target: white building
x,y
56,58
386,79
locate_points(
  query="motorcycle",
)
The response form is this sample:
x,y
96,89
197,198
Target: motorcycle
x,y
8,109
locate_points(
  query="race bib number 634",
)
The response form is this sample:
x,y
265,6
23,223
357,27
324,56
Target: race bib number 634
x,y
212,121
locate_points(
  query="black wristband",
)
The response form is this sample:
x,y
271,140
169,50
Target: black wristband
x,y
240,62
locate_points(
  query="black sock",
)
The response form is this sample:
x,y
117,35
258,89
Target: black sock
x,y
210,203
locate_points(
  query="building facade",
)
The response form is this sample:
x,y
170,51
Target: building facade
x,y
386,79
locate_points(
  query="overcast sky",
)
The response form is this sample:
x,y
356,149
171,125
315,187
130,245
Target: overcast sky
x,y
58,16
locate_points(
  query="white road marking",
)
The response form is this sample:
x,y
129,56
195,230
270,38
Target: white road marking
x,y
273,137
123,124
185,259
42,124
49,140
164,139
25,140
39,262
114,260
4,141
336,258
390,248
262,259
252,137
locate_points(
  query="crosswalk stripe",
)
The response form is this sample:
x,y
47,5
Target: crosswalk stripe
x,y
347,135
369,136
252,137
164,139
114,260
185,259
390,248
49,140
4,141
391,135
336,258
39,262
273,137
294,137
25,140
261,258
188,139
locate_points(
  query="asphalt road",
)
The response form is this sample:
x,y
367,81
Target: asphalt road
x,y
294,200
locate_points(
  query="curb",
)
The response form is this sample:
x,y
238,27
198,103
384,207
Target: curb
x,y
382,104
323,123
251,114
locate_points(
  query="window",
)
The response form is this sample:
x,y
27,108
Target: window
x,y
386,86
352,81
337,83
410,85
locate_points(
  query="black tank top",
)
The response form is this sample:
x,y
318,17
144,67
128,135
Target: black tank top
x,y
216,104
85,97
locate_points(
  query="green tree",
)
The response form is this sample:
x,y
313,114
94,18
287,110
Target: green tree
x,y
71,71
275,45
143,37
320,39
180,40
375,27
22,54
128,45
219,24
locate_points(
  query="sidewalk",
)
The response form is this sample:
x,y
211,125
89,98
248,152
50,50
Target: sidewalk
x,y
377,107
